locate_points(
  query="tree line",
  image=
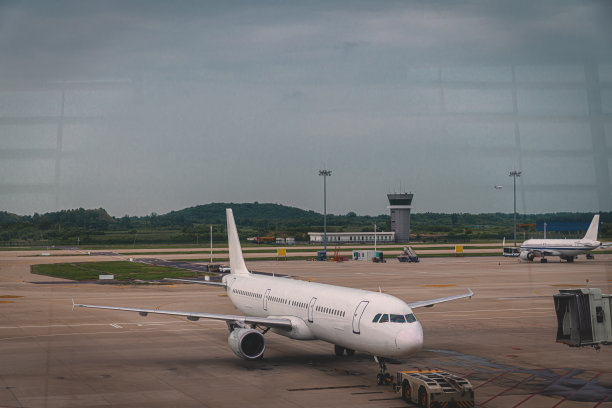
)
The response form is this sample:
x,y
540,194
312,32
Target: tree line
x,y
192,225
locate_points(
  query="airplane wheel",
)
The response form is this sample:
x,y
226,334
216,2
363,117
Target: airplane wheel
x,y
380,379
388,379
543,260
406,391
339,350
570,259
350,352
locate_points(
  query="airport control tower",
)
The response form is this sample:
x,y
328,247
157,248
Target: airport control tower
x,y
400,206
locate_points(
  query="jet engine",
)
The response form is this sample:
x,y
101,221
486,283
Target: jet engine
x,y
527,255
248,344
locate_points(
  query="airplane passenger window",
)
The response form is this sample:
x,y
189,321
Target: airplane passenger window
x,y
410,318
397,318
376,318
384,318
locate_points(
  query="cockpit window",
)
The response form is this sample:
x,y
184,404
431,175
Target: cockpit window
x,y
410,318
394,318
397,318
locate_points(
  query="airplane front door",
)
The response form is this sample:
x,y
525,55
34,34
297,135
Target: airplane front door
x,y
311,309
265,299
357,315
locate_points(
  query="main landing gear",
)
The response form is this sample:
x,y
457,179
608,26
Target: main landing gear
x,y
339,350
382,378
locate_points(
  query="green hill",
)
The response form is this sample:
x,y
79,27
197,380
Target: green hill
x,y
191,225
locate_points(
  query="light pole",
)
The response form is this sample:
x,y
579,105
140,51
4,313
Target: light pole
x,y
325,174
515,174
374,237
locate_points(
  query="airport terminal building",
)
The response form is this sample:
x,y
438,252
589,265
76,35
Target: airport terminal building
x,y
352,237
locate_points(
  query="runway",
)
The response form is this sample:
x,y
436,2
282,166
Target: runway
x,y
502,340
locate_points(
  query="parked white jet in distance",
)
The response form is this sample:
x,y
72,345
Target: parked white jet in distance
x,y
351,319
566,249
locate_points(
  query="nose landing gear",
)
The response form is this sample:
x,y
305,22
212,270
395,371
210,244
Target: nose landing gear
x,y
383,378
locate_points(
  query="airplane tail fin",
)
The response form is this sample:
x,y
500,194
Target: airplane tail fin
x,y
591,234
237,265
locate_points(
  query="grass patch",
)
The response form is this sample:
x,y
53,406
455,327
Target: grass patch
x,y
123,271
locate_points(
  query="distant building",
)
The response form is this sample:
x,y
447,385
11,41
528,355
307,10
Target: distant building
x,y
400,206
352,237
287,241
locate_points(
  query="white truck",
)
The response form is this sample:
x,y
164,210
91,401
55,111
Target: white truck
x,y
434,389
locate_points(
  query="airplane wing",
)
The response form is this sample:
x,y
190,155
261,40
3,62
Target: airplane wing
x,y
194,316
201,282
430,303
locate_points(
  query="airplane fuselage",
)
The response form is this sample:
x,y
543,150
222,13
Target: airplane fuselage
x,y
335,314
559,247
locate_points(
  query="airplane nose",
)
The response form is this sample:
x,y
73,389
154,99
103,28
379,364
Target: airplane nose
x,y
410,340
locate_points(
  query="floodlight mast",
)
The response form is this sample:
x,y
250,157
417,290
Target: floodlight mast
x,y
515,174
325,174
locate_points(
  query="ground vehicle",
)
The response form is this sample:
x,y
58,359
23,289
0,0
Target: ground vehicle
x,y
408,255
434,388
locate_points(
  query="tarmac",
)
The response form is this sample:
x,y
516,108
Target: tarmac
x,y
502,340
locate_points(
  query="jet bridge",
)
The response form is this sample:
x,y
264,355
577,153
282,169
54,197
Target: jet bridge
x,y
584,317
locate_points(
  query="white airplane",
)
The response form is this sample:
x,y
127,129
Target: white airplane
x,y
351,319
567,249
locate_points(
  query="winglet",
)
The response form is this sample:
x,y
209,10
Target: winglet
x,y
237,265
73,304
470,293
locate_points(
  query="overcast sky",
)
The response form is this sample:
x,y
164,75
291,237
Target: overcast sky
x,y
174,104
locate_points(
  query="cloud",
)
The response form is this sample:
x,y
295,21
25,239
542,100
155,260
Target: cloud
x,y
171,105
